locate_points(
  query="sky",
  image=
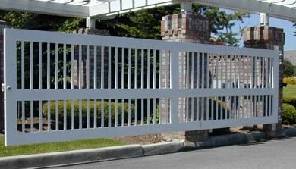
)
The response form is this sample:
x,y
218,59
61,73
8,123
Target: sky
x,y
254,20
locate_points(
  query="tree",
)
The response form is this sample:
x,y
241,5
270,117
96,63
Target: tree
x,y
146,23
289,69
141,24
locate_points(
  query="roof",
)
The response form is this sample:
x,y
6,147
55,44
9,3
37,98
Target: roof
x,y
284,9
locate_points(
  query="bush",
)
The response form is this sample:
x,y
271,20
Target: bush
x,y
290,101
99,107
290,80
289,114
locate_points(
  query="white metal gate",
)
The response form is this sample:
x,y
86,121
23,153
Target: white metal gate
x,y
68,86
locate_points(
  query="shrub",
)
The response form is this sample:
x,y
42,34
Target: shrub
x,y
290,80
290,100
99,107
289,114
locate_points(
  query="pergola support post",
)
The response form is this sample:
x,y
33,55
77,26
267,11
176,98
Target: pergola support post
x,y
91,23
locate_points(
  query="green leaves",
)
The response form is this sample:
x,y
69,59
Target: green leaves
x,y
141,24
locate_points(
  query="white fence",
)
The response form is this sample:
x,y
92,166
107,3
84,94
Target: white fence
x,y
68,86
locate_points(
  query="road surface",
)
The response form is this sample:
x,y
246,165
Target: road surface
x,y
276,154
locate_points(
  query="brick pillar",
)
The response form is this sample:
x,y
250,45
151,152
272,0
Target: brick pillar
x,y
82,80
265,37
185,27
2,26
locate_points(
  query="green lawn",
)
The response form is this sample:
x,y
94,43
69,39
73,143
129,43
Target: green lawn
x,y
55,147
290,91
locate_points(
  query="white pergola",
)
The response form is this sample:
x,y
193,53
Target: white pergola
x,y
284,9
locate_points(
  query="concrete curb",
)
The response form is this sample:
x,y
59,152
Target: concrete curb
x,y
162,148
132,151
50,159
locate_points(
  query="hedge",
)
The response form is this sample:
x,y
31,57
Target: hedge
x,y
289,114
290,100
99,107
290,80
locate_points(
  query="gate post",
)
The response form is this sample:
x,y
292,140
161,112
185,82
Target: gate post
x,y
184,27
2,26
266,37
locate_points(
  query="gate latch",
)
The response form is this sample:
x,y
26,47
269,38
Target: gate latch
x,y
4,87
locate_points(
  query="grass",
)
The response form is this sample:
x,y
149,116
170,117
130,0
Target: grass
x,y
55,147
290,91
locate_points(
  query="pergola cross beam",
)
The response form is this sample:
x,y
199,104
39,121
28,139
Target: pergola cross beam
x,y
284,9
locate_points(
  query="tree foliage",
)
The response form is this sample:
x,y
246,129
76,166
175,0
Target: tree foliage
x,y
289,69
141,24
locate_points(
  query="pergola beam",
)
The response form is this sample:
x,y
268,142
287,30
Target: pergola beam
x,y
282,9
43,7
273,10
123,6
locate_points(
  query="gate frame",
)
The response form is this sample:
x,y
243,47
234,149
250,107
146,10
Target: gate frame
x,y
12,94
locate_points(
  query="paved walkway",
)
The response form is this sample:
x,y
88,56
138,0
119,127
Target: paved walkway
x,y
276,154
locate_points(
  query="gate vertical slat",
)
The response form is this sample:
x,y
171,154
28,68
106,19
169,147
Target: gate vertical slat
x,y
116,85
129,81
40,85
154,86
148,85
174,84
23,82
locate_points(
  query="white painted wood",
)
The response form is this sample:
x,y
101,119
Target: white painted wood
x,y
45,7
72,66
40,36
116,68
87,114
95,114
64,66
31,65
128,97
283,9
56,66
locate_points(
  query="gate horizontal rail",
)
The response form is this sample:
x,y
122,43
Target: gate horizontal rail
x,y
62,86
